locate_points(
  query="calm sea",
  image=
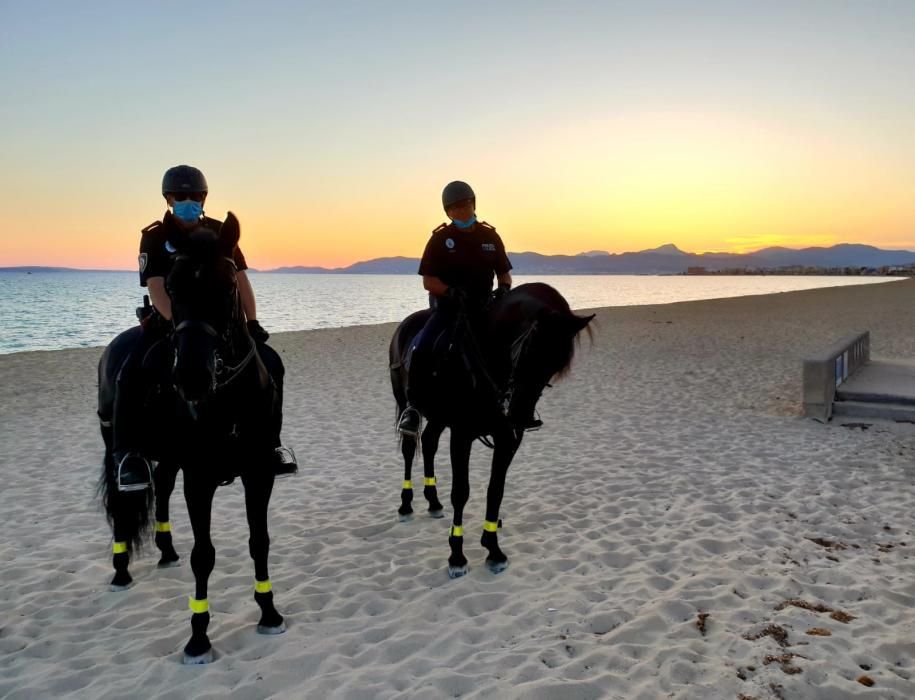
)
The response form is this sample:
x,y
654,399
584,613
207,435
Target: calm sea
x,y
52,310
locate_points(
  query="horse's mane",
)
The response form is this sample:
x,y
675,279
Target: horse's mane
x,y
540,300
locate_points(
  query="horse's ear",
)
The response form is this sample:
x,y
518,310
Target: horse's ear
x,y
579,323
229,232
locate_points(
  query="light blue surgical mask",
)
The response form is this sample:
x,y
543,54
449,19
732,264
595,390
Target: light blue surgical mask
x,y
465,224
188,210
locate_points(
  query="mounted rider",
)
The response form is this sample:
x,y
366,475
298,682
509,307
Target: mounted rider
x,y
459,264
185,190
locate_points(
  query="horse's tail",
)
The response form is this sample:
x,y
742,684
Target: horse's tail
x,y
127,512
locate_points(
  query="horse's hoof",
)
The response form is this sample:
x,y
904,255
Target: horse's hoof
x,y
496,567
168,564
205,658
405,517
458,571
279,629
440,513
117,587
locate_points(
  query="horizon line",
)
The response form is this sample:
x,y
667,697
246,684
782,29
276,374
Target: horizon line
x,y
588,253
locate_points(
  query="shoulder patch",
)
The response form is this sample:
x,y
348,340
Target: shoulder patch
x,y
440,227
152,227
143,260
489,226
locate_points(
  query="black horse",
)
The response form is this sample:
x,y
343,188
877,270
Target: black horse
x,y
215,422
487,379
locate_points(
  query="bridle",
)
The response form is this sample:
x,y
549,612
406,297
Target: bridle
x,y
224,373
518,349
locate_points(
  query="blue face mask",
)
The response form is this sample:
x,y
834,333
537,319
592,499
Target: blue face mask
x,y
465,224
188,210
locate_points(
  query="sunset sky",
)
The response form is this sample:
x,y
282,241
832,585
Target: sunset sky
x,y
331,128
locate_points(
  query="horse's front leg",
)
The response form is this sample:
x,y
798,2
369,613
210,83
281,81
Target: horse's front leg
x,y
430,437
258,487
408,449
460,492
506,444
164,480
198,493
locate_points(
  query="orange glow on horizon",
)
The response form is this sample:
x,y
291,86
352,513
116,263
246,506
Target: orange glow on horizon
x,y
705,182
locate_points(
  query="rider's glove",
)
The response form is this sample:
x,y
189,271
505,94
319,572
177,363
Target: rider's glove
x,y
256,331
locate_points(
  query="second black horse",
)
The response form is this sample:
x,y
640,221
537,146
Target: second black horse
x,y
486,381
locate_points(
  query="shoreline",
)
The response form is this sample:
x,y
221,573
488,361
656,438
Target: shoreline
x,y
674,481
582,310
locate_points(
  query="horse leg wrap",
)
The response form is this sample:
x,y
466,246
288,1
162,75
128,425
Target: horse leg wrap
x,y
406,498
430,492
457,558
270,618
122,577
490,540
199,643
164,543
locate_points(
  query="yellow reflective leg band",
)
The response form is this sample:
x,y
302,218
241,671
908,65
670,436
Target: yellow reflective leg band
x,y
198,606
408,485
490,526
163,527
262,586
119,547
429,481
457,530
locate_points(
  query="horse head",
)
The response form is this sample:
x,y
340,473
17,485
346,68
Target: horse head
x,y
205,307
539,329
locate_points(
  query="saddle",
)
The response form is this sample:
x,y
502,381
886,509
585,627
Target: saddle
x,y
452,363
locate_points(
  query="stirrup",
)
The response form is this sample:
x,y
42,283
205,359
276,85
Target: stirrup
x,y
284,462
142,486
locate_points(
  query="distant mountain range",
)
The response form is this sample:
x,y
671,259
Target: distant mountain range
x,y
665,260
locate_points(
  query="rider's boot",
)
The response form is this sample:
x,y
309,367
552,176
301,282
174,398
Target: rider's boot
x,y
284,462
133,470
409,422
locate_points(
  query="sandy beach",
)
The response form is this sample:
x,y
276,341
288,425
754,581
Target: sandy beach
x,y
674,513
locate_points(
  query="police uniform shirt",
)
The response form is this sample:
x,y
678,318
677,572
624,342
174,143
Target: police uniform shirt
x,y
468,259
160,242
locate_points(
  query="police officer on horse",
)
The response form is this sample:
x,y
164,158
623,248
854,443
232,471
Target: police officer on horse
x,y
459,264
185,190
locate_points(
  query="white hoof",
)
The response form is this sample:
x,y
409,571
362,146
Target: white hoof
x,y
496,567
458,571
405,517
205,658
118,589
168,564
279,629
437,513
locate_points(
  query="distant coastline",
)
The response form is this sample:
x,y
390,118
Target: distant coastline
x,y
841,259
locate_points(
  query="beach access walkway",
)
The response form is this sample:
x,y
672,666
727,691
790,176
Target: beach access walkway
x,y
846,381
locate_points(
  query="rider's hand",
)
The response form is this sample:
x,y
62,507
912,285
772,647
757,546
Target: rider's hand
x,y
156,323
256,331
501,291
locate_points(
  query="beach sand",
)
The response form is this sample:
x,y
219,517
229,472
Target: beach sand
x,y
674,478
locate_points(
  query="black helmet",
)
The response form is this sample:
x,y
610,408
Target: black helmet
x,y
455,192
183,178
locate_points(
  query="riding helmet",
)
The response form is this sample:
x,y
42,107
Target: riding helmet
x,y
455,192
183,178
